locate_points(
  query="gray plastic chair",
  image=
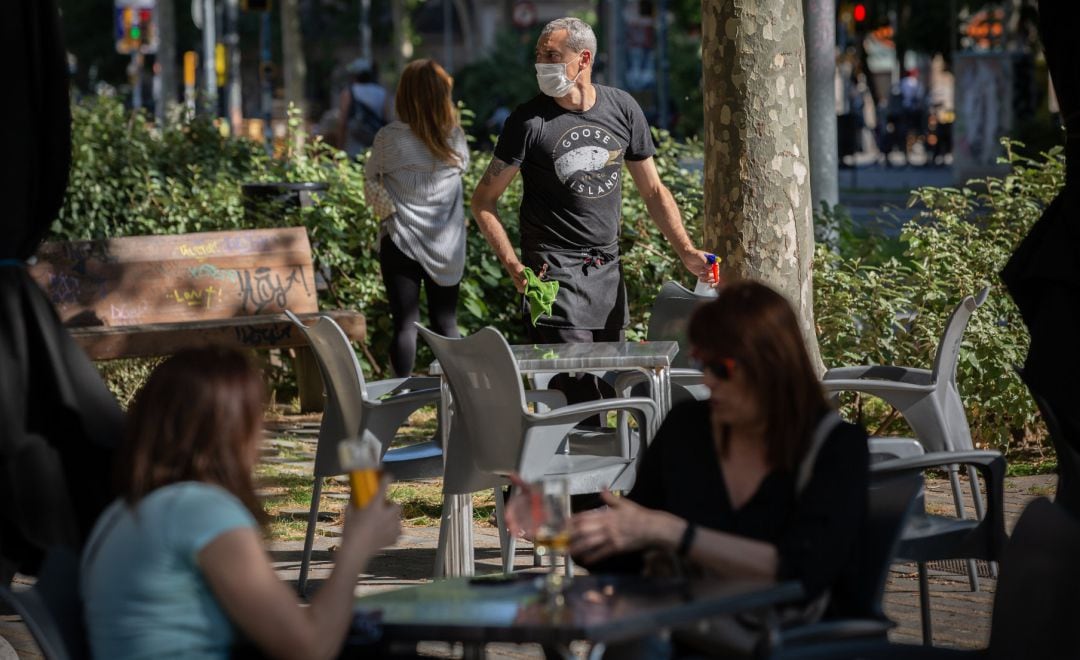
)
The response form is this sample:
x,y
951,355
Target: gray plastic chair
x,y
493,434
52,609
668,319
929,537
355,408
1035,604
929,400
925,537
893,496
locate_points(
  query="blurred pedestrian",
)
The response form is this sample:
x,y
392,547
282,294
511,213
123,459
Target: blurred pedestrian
x,y
364,107
176,567
418,161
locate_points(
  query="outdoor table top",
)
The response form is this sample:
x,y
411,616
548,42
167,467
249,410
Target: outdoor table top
x,y
598,608
589,356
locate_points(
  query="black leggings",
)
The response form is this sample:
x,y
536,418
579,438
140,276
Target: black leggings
x,y
402,276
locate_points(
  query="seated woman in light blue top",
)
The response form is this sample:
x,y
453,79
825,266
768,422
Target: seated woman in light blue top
x,y
176,567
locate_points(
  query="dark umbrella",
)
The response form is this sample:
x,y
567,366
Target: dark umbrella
x,y
58,422
1043,274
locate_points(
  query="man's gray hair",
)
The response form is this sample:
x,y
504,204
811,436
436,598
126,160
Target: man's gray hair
x,y
580,34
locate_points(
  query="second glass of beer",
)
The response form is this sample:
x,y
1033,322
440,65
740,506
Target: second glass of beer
x,y
360,458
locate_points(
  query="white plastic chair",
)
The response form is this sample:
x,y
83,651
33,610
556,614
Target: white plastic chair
x,y
668,318
493,433
355,408
929,400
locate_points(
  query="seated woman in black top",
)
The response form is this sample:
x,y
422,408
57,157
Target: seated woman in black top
x,y
717,484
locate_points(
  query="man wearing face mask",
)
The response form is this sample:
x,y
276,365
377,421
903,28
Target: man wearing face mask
x,y
570,143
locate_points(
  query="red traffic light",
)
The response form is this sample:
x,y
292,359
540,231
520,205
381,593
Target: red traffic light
x,y
859,13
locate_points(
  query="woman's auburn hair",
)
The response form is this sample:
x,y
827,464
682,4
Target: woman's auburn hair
x,y
757,327
423,102
199,417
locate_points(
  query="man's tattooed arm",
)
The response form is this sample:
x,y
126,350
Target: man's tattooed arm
x,y
494,169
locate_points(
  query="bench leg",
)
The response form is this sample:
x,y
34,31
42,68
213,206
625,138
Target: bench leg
x,y
309,382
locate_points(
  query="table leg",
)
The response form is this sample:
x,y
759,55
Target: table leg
x,y
660,387
457,509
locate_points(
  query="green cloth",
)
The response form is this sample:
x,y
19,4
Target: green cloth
x,y
540,294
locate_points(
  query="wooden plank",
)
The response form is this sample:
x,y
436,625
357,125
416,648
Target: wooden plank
x,y
139,280
263,331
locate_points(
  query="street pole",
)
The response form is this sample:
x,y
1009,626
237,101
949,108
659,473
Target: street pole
x,y
166,58
365,30
232,43
448,35
209,59
136,80
662,63
615,42
266,64
819,30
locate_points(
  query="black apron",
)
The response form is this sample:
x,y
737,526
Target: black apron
x,y
591,291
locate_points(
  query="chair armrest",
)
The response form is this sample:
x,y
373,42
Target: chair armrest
x,y
381,388
836,630
421,383
985,459
686,376
881,388
909,375
549,398
415,398
991,467
644,409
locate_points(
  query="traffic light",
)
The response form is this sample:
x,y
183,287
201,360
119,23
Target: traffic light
x,y
135,30
146,35
858,12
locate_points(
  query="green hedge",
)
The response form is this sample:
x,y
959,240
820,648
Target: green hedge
x,y
877,301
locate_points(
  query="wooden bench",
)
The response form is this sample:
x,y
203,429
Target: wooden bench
x,y
142,296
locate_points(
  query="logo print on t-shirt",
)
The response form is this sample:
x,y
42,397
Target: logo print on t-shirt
x,y
588,161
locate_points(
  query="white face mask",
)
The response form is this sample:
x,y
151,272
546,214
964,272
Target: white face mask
x,y
553,81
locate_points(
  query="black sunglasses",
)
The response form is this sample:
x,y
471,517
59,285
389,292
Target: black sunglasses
x,y
722,368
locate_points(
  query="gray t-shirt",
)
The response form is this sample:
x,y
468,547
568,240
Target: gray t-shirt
x,y
572,166
572,169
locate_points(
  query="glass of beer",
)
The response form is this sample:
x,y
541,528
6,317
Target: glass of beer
x,y
360,458
550,513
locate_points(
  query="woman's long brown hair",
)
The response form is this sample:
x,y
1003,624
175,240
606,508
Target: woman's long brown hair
x,y
198,418
423,102
756,326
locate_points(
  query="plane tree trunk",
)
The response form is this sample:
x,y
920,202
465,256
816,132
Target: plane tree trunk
x,y
758,213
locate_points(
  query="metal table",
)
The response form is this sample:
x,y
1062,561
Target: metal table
x,y
597,608
652,358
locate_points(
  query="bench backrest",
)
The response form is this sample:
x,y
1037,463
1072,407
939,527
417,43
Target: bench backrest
x,y
184,277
